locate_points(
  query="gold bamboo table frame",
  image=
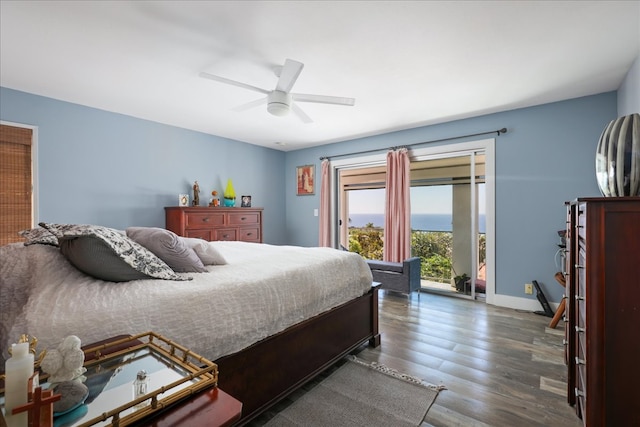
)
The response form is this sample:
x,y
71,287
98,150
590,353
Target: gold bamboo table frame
x,y
202,372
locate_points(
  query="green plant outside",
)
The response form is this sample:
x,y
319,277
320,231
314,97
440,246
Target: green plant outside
x,y
433,247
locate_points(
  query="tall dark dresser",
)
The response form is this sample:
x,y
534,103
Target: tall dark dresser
x,y
603,310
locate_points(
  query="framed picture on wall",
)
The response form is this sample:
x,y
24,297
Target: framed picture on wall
x,y
306,177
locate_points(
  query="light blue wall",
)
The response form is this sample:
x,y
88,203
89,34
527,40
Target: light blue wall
x,y
110,169
546,158
106,168
629,92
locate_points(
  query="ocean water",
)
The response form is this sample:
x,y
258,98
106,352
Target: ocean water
x,y
424,222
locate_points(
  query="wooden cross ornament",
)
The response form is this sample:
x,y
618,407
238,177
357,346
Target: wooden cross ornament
x,y
39,408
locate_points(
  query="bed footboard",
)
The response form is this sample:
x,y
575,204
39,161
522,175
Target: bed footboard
x,y
261,375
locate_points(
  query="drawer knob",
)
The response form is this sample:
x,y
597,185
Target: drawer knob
x,y
249,234
580,361
205,219
579,329
226,236
243,219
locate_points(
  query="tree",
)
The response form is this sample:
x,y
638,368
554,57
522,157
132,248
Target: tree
x,y
434,250
366,241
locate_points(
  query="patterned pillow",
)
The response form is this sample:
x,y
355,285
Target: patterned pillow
x,y
129,254
39,236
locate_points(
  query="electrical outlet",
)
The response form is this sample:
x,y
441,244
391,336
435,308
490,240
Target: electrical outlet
x,y
528,288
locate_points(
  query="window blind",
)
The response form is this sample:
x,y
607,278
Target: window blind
x,y
15,182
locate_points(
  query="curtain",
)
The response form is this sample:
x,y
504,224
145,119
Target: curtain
x,y
397,215
325,211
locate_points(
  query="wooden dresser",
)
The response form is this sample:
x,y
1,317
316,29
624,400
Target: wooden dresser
x,y
603,310
215,223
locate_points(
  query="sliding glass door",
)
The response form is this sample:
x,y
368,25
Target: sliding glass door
x,y
448,209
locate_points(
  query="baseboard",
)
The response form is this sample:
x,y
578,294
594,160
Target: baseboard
x,y
519,303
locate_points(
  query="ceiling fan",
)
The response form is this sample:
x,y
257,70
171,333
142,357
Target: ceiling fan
x,y
280,100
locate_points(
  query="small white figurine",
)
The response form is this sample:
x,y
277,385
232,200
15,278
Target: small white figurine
x,y
66,362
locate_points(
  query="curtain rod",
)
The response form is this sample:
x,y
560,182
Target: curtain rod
x,y
499,132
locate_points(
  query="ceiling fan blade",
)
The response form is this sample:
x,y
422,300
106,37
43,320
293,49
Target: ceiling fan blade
x,y
301,114
322,99
249,105
288,75
232,82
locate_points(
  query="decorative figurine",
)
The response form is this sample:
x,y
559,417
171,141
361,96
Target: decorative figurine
x,y
65,363
215,201
196,194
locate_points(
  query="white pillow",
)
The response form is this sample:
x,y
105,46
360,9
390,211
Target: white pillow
x,y
206,252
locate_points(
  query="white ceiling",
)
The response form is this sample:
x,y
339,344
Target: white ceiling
x,y
407,64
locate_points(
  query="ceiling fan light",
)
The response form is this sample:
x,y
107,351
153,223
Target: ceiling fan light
x,y
278,109
279,103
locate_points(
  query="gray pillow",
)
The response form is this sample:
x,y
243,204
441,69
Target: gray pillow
x,y
168,247
93,257
89,246
206,252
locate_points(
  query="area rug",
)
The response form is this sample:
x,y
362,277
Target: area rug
x,y
361,394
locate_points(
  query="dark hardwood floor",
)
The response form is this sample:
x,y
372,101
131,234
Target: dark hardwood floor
x,y
500,367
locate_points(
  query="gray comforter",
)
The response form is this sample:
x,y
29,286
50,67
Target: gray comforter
x,y
261,291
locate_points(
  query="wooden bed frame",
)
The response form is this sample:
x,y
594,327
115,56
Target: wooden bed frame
x,y
264,373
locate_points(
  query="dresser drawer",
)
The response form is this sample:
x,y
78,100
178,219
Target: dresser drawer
x,y
581,220
199,234
581,308
249,234
581,272
230,234
195,220
581,379
240,218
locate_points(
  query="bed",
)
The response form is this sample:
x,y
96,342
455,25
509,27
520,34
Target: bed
x,y
271,317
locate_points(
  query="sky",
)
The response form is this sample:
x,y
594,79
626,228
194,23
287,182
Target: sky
x,y
424,200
